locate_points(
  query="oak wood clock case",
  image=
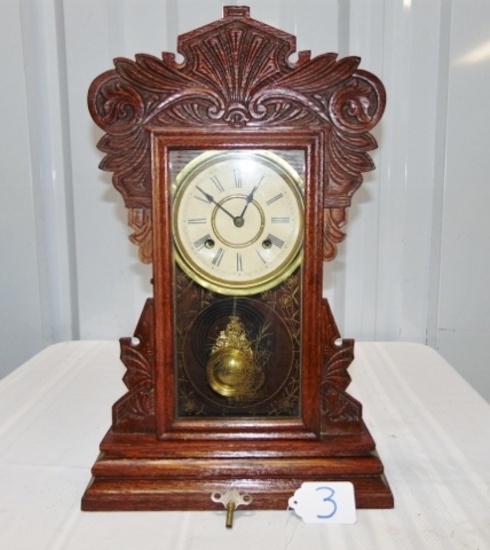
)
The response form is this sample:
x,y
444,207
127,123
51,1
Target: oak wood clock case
x,y
185,429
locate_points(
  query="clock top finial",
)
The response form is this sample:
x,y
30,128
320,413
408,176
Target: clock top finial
x,y
236,11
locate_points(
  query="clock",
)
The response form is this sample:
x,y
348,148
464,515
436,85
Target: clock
x,y
237,167
238,220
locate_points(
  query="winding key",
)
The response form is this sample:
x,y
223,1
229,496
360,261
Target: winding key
x,y
231,500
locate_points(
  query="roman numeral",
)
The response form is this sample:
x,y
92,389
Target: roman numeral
x,y
218,257
275,240
196,221
217,183
238,179
280,219
200,243
258,254
239,263
274,199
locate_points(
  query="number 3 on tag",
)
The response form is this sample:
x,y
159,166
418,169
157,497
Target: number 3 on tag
x,y
325,502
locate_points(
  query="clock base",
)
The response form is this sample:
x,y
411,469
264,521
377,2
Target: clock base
x,y
186,482
144,495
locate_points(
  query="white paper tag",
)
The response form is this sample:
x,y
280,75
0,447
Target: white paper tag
x,y
325,502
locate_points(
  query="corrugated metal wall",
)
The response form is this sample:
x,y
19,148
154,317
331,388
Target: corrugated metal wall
x,y
415,265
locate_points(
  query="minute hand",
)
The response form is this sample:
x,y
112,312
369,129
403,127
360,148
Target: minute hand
x,y
211,199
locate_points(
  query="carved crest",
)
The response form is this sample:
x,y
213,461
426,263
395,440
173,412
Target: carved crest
x,y
236,73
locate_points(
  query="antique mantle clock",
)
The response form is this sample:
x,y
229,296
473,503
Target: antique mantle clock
x,y
237,167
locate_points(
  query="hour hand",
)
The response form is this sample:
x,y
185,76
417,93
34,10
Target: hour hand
x,y
249,198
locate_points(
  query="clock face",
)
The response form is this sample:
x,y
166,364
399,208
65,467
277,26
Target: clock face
x,y
238,220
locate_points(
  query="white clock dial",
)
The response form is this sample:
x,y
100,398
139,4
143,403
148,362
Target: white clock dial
x,y
238,220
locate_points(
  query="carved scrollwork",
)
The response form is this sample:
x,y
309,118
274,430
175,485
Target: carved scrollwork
x,y
117,105
338,407
139,219
135,411
236,73
354,107
333,220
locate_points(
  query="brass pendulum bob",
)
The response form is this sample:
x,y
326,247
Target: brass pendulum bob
x,y
231,369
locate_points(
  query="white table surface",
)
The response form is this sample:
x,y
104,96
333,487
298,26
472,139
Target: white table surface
x,y
431,428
